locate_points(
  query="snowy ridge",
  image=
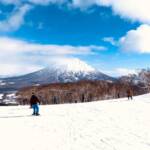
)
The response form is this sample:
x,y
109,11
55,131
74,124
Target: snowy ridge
x,y
106,125
142,77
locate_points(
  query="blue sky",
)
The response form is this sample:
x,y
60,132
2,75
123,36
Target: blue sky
x,y
110,35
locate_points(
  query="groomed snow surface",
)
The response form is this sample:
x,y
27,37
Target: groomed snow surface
x,y
105,125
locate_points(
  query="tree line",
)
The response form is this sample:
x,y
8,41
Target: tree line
x,y
81,91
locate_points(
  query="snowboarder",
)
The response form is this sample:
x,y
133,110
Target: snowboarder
x,y
34,101
129,94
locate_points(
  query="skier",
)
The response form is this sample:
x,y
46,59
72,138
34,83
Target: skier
x,y
34,101
129,94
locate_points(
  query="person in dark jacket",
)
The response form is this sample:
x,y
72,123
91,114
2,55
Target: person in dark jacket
x,y
34,103
82,98
129,94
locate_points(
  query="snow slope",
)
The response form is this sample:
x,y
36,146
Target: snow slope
x,y
106,125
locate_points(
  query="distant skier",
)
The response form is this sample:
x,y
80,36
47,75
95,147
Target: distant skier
x,y
129,94
82,98
55,100
34,103
118,95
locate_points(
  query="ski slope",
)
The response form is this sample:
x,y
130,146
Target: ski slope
x,y
105,125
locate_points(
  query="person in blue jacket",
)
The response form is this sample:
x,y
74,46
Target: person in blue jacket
x,y
34,103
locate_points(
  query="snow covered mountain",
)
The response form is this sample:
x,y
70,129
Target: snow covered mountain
x,y
142,77
70,70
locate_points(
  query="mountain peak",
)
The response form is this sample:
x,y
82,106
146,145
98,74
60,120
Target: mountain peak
x,y
72,65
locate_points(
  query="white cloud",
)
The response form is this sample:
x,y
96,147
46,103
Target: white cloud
x,y
15,20
117,72
110,40
7,2
13,45
21,57
136,40
83,4
14,69
124,71
136,10
37,2
46,2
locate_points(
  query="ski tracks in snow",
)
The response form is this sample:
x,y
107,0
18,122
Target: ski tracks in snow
x,y
105,125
